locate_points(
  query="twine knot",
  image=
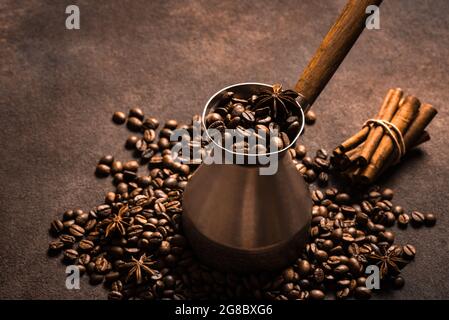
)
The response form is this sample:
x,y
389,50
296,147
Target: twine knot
x,y
394,133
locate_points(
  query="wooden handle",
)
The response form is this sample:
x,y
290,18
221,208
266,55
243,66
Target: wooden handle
x,y
334,48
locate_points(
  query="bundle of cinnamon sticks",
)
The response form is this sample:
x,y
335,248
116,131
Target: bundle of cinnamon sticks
x,y
398,127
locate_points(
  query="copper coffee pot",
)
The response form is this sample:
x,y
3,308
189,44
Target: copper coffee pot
x,y
239,220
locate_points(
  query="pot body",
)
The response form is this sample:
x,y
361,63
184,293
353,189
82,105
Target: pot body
x,y
240,221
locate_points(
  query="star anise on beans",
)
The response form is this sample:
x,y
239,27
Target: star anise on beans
x,y
389,259
118,222
279,101
138,269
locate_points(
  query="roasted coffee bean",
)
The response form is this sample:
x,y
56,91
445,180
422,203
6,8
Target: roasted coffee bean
x,y
76,230
301,151
387,236
103,210
163,143
56,245
82,219
68,240
293,130
403,220
362,293
304,268
343,293
141,145
107,160
84,259
321,164
430,219
131,166
354,265
307,161
211,118
151,123
321,153
115,295
417,219
56,226
119,117
323,179
171,124
316,294
341,270
310,117
317,196
387,194
134,124
131,142
102,265
68,215
337,234
86,245
397,210
136,112
248,117
102,170
70,254
310,175
95,278
318,275
361,218
409,251
398,282
342,198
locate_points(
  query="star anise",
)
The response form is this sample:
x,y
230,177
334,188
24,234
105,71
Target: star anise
x,y
388,259
280,101
138,269
118,222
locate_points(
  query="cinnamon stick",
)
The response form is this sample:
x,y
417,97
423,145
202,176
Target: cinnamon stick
x,y
390,106
424,138
360,136
415,134
354,141
425,115
402,120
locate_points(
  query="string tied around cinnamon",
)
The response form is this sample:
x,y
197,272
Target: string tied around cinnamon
x,y
394,133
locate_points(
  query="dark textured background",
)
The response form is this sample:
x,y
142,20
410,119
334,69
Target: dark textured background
x,y
59,88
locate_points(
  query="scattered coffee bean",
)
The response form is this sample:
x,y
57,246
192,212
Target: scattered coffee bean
x,y
102,170
107,160
317,295
137,113
134,124
310,117
131,142
151,123
362,293
430,219
417,219
387,194
409,251
403,220
70,254
119,117
398,282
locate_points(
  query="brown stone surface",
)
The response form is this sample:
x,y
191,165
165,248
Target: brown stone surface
x,y
59,88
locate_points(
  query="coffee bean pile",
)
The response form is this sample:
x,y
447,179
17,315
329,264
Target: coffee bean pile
x,y
133,243
259,116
